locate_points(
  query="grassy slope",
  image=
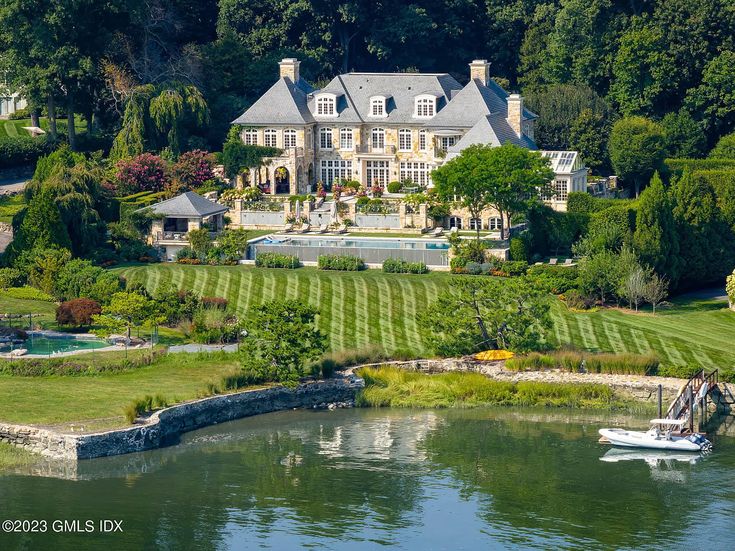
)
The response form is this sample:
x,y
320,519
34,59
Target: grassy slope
x,y
9,206
694,333
54,399
370,306
356,308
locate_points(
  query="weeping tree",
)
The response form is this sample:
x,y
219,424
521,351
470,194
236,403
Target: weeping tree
x,y
158,117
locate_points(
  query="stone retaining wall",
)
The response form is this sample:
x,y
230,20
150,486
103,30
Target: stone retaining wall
x,y
163,427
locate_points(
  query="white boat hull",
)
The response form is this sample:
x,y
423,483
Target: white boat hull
x,y
650,440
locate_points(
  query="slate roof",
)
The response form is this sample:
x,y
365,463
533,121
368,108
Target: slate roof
x,y
188,205
283,103
490,130
476,106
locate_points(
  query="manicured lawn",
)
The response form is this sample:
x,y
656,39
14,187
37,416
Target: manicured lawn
x,y
14,128
357,308
695,333
98,401
9,206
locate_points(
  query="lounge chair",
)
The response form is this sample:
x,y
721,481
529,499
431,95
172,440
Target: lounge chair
x,y
553,261
305,228
437,231
568,262
341,229
455,229
288,228
324,228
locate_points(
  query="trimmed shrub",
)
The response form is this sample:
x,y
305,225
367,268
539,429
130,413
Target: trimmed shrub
x,y
578,301
394,187
214,302
518,249
345,263
23,150
400,266
277,260
555,279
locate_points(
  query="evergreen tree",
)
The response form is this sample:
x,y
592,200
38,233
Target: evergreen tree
x,y
41,228
707,244
655,239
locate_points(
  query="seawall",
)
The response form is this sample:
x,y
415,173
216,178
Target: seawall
x,y
164,426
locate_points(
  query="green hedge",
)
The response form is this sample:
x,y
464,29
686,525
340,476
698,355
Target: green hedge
x,y
344,263
27,293
137,201
584,203
676,167
276,260
399,266
555,279
23,150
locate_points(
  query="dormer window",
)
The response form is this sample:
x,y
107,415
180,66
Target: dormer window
x,y
326,105
425,107
377,107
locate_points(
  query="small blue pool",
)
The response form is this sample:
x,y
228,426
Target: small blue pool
x,y
47,345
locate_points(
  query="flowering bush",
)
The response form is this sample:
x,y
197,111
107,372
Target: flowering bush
x,y
337,191
146,172
320,191
194,168
377,190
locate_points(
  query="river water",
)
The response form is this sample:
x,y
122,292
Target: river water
x,y
372,479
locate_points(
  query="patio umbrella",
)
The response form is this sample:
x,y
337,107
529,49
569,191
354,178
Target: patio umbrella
x,y
297,214
333,212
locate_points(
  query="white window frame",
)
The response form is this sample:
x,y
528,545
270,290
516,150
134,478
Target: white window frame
x,y
423,140
250,136
326,105
494,223
424,107
455,222
326,138
561,189
346,139
289,138
381,169
270,137
333,171
377,138
418,172
405,139
445,142
378,107
474,223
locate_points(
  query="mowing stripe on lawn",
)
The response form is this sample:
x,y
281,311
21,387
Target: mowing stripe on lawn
x,y
586,333
613,337
398,311
410,308
387,329
10,129
362,325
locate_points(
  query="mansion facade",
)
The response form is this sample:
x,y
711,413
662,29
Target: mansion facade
x,y
381,127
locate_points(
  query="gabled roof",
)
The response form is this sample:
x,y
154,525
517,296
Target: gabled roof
x,y
400,89
491,130
283,103
187,205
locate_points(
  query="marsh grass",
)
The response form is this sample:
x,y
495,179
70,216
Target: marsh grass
x,y
393,387
12,456
620,364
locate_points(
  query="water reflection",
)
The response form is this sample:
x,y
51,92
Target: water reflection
x,y
370,478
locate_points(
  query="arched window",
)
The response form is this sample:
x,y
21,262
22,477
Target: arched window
x,y
377,107
325,105
405,139
377,138
475,224
250,137
494,223
455,222
425,107
270,136
345,138
422,140
289,138
325,138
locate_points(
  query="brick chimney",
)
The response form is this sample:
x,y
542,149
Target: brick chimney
x,y
515,113
480,70
289,68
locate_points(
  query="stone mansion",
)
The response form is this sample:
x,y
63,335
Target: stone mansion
x,y
382,127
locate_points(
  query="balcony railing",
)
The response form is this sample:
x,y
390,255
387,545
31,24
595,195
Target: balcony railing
x,y
368,148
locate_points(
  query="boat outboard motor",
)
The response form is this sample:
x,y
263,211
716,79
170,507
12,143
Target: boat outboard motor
x,y
704,444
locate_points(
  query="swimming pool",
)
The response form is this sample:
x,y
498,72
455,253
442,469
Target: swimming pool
x,y
373,250
47,345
